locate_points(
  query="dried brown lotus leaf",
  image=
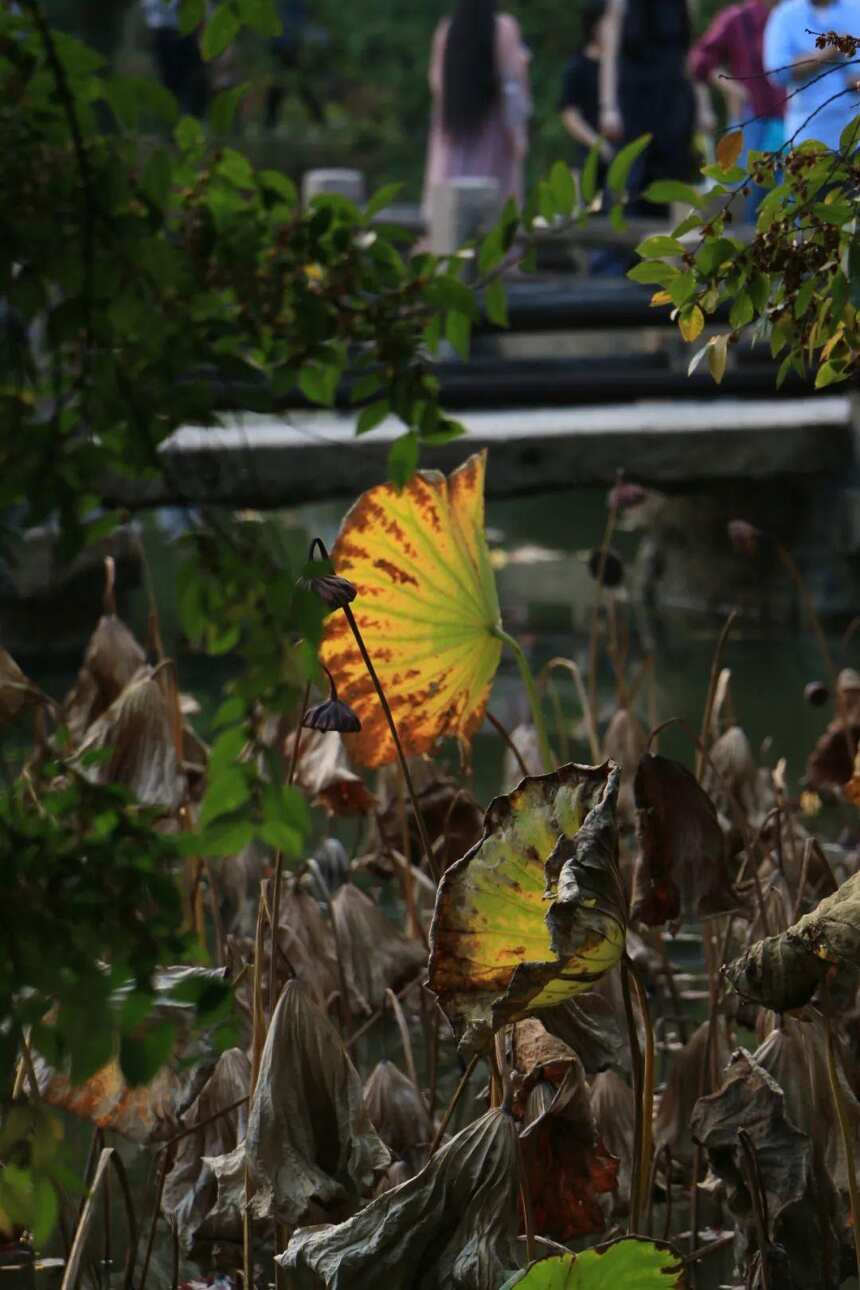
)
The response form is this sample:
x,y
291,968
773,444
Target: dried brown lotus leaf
x,y
135,730
190,1190
111,660
449,812
593,1025
569,1170
538,1054
454,1224
323,772
625,742
613,1105
672,1122
310,1140
784,971
831,762
681,871
376,956
536,911
396,1111
801,1203
16,691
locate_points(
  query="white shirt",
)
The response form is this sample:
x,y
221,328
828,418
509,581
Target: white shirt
x,y
160,13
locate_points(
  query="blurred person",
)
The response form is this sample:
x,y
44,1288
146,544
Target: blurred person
x,y
180,66
819,105
729,56
481,102
580,92
645,89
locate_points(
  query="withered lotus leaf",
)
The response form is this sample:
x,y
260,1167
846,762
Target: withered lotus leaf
x,y
539,1055
310,1139
454,1224
672,1122
324,774
375,954
630,1263
396,1111
613,1106
681,870
593,1025
16,691
800,1200
135,730
427,609
568,1167
112,658
190,1191
536,911
784,971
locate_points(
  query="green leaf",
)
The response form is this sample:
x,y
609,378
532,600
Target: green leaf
x,y
656,247
590,171
142,1056
622,163
225,794
829,374
496,302
318,382
403,458
682,287
157,177
653,272
224,838
742,310
223,109
279,183
458,331
191,14
631,1263
715,252
381,198
261,16
563,188
371,416
671,190
45,1210
236,168
221,30
225,750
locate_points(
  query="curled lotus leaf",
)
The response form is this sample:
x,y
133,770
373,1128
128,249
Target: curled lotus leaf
x,y
536,911
454,1224
427,609
783,972
631,1263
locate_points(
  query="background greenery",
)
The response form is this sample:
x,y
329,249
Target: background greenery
x,y
367,65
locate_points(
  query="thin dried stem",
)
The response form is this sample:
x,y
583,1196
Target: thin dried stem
x,y
588,716
508,741
716,665
452,1106
274,930
595,610
646,1093
636,1180
752,1173
844,1125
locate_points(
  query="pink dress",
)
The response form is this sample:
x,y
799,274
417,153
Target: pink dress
x,y
498,148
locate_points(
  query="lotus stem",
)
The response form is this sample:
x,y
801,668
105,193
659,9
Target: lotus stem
x,y
508,742
812,617
716,664
166,1155
587,714
844,1126
452,1106
759,1202
595,611
297,739
531,692
645,1090
638,1091
273,930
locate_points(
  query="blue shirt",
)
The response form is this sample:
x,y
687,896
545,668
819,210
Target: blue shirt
x,y
809,113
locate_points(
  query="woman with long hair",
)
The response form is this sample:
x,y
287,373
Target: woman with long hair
x,y
479,82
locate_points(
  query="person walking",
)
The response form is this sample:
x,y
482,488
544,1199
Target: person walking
x,y
580,91
481,103
180,66
821,83
644,89
729,57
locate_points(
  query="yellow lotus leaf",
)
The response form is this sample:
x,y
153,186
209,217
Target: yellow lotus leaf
x,y
426,607
536,911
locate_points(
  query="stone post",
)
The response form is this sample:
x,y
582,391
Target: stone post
x,y
346,183
459,209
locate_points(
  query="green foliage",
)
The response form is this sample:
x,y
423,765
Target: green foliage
x,y
791,284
